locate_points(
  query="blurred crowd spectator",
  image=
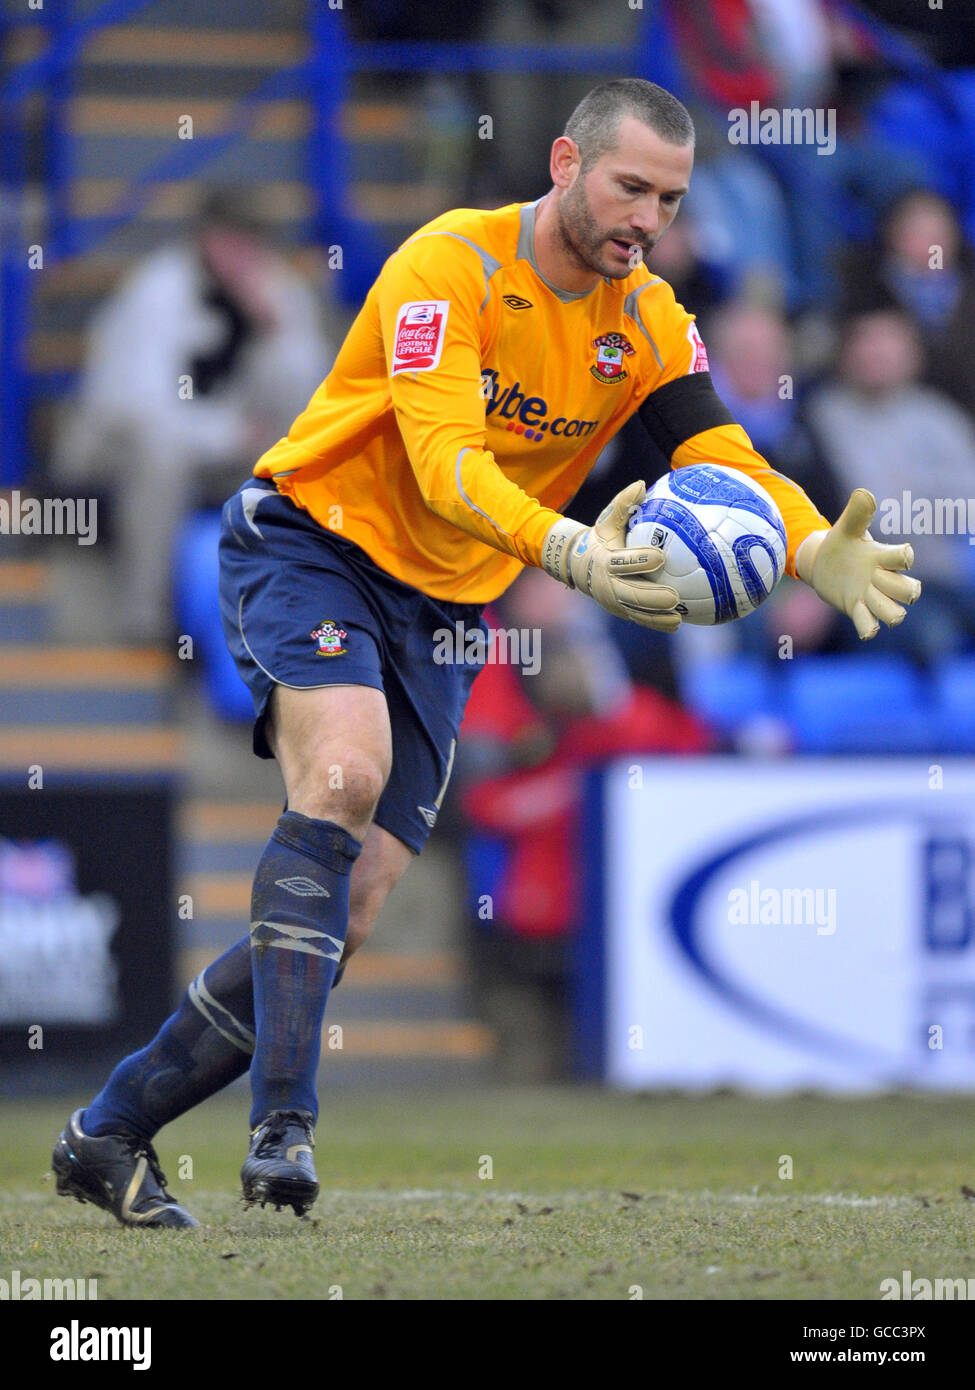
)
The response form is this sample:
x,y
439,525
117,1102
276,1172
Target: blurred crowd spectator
x,y
920,263
753,366
194,365
880,428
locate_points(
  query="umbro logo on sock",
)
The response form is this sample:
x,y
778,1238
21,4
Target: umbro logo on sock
x,y
302,887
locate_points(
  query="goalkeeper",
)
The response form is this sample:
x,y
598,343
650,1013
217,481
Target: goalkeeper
x,y
494,357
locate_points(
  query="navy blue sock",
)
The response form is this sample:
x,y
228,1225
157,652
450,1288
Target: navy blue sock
x,y
206,1044
299,921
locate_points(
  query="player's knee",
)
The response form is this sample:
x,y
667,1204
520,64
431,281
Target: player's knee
x,y
345,789
356,784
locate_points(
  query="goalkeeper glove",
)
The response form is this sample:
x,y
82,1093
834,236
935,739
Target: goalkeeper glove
x,y
596,560
856,574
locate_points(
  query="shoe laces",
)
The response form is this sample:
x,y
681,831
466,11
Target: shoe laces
x,y
141,1148
276,1125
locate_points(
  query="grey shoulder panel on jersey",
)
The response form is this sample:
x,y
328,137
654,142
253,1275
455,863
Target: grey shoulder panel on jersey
x,y
526,234
632,310
490,264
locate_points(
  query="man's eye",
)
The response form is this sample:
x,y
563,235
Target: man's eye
x,y
631,188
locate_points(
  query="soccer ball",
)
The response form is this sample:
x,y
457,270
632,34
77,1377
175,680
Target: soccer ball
x,y
722,536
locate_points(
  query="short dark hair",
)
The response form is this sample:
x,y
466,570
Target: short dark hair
x,y
595,122
230,205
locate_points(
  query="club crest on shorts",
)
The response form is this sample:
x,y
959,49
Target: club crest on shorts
x,y
611,351
329,637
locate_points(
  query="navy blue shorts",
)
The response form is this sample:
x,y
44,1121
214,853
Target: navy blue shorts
x,y
304,607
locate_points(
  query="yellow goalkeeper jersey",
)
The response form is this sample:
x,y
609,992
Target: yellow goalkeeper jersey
x,y
470,399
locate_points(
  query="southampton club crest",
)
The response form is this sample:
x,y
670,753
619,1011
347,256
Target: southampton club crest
x,y
611,351
329,637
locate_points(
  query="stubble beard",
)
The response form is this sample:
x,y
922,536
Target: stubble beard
x,y
581,238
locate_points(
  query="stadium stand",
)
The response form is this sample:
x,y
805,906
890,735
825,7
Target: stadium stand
x,y
127,94
727,694
826,702
25,601
832,704
77,709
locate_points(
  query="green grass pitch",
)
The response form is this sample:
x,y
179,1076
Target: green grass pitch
x,y
590,1195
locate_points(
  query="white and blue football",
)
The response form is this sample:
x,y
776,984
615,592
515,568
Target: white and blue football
x,y
722,536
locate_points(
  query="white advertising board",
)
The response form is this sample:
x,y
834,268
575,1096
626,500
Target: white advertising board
x,y
777,925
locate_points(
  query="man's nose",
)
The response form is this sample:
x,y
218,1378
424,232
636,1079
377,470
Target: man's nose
x,y
646,218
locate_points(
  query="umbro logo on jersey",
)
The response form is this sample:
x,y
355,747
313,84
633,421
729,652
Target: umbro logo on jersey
x,y
429,816
515,301
302,887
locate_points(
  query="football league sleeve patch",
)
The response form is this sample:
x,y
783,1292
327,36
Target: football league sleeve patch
x,y
419,335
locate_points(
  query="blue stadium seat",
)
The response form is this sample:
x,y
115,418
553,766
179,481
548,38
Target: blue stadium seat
x,y
962,86
197,610
486,859
914,119
859,704
195,569
954,705
728,693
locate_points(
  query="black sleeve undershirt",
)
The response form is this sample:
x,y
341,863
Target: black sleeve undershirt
x,y
687,406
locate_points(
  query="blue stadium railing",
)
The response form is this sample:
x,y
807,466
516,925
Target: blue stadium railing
x,y
51,73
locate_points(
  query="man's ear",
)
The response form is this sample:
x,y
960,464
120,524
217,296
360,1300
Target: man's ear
x,y
565,162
